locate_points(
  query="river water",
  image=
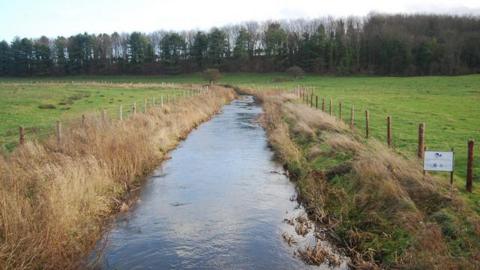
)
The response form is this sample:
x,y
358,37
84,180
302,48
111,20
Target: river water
x,y
219,203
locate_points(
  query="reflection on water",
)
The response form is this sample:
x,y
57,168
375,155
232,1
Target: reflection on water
x,y
219,202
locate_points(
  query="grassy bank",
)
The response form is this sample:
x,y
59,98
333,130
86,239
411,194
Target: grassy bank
x,y
448,105
55,198
37,106
376,203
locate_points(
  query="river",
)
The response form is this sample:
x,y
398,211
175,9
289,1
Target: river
x,y
220,202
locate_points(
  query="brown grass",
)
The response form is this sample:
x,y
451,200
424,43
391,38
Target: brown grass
x,y
55,199
371,197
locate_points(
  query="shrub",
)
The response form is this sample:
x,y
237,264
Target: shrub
x,y
295,71
212,75
47,106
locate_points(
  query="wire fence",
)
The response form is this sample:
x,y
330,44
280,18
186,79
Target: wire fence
x,y
11,138
399,133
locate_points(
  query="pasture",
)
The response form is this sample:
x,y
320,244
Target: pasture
x,y
37,106
448,105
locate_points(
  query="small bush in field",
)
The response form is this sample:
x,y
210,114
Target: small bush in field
x,y
295,71
47,106
212,75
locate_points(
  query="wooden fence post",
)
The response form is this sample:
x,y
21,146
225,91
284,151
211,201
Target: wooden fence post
x,y
469,184
452,172
161,101
421,140
311,100
83,120
104,115
59,133
316,102
331,106
120,113
367,116
145,105
389,131
21,132
340,110
323,104
134,108
352,117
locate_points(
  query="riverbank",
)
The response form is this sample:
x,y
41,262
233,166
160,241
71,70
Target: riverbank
x,y
56,197
219,202
377,204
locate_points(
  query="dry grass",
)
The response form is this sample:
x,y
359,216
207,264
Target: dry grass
x,y
55,199
378,204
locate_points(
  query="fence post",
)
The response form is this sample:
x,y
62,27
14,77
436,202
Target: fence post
x,y
470,166
59,133
104,115
452,172
340,110
145,105
421,140
316,102
323,104
311,100
21,132
352,117
331,106
120,113
161,101
389,131
367,116
83,120
134,108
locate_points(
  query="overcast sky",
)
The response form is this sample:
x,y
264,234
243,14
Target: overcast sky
x,y
52,18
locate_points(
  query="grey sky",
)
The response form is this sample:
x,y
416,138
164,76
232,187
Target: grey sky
x,y
67,17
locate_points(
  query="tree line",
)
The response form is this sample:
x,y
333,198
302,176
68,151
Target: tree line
x,y
376,44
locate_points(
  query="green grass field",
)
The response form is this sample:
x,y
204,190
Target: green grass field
x,y
37,106
450,106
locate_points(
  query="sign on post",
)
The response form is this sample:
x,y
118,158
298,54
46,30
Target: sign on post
x,y
438,161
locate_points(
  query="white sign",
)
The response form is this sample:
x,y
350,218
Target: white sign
x,y
438,161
